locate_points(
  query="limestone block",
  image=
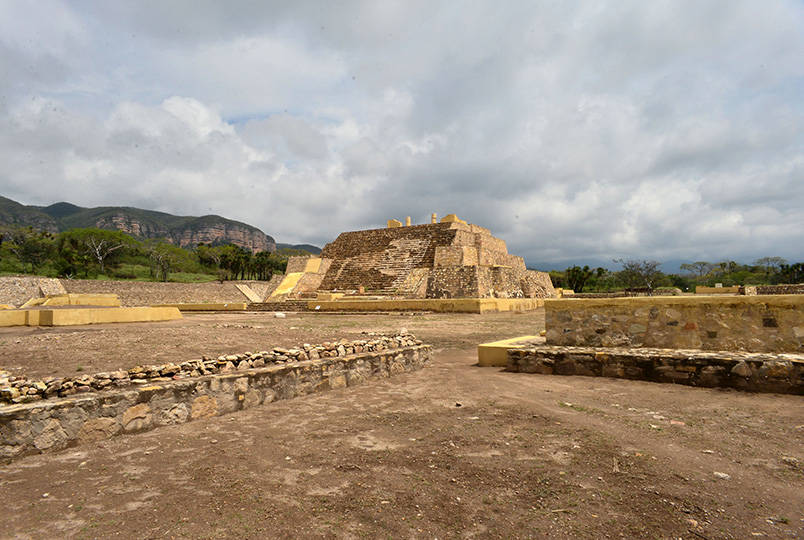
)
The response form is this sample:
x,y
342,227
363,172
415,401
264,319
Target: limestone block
x,y
137,418
97,429
178,414
203,407
252,398
52,435
16,432
394,223
337,381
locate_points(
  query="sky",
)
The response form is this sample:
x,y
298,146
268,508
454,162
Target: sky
x,y
578,132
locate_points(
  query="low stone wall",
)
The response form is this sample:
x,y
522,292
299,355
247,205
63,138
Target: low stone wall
x,y
756,372
16,290
439,305
146,293
780,289
116,403
748,323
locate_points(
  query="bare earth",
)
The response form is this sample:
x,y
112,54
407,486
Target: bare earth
x,y
452,451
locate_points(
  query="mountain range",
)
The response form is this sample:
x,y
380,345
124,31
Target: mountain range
x,y
183,231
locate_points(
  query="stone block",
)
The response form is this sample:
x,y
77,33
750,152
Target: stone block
x,y
97,429
137,418
203,407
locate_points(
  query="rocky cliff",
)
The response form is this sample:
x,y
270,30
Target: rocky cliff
x,y
184,231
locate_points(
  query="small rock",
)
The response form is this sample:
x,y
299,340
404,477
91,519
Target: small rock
x,y
707,451
721,475
279,315
741,369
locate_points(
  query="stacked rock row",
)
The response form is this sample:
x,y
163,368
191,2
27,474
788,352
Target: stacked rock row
x,y
21,390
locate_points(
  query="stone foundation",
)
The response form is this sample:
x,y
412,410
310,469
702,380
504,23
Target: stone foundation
x,y
755,372
52,424
748,323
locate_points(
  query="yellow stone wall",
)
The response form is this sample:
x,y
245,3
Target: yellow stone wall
x,y
725,323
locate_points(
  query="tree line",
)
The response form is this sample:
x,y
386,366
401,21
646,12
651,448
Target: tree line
x,y
96,253
646,275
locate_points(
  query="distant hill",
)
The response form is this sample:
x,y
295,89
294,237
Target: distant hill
x,y
14,213
184,231
300,247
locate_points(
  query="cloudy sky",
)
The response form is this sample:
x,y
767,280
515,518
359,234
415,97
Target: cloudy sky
x,y
576,131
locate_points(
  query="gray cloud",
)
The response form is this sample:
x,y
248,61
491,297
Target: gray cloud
x,y
670,130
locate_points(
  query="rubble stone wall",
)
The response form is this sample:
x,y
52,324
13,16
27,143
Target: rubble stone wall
x,y
55,423
781,289
744,371
458,257
728,323
16,290
141,293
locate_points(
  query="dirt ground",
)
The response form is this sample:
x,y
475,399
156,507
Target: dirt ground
x,y
451,451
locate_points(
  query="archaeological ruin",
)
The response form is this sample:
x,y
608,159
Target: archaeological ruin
x,y
442,259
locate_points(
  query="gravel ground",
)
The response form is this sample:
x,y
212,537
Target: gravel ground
x,y
451,451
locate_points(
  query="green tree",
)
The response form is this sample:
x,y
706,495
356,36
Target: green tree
x,y
790,273
101,246
770,264
639,274
577,277
699,268
30,246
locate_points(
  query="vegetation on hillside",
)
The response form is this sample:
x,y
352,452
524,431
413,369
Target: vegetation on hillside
x,y
104,254
644,275
63,216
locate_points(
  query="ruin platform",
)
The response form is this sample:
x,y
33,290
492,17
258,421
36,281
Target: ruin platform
x,y
439,305
52,424
69,316
757,372
229,306
496,352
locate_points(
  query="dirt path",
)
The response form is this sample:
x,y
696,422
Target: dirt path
x,y
452,451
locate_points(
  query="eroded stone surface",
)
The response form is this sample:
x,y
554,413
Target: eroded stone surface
x,y
760,372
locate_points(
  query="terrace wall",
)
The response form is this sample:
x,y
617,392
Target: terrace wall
x,y
51,424
730,323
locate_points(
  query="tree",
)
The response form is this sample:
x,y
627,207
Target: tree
x,y
701,268
99,244
770,264
577,277
638,274
790,273
236,260
30,246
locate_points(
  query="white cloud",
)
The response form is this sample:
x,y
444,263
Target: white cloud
x,y
575,131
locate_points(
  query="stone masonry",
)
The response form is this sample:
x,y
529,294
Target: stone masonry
x,y
723,323
756,372
146,397
438,260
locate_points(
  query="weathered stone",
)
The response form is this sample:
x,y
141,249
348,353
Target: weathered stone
x,y
741,369
52,435
251,398
177,414
96,429
204,406
137,418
